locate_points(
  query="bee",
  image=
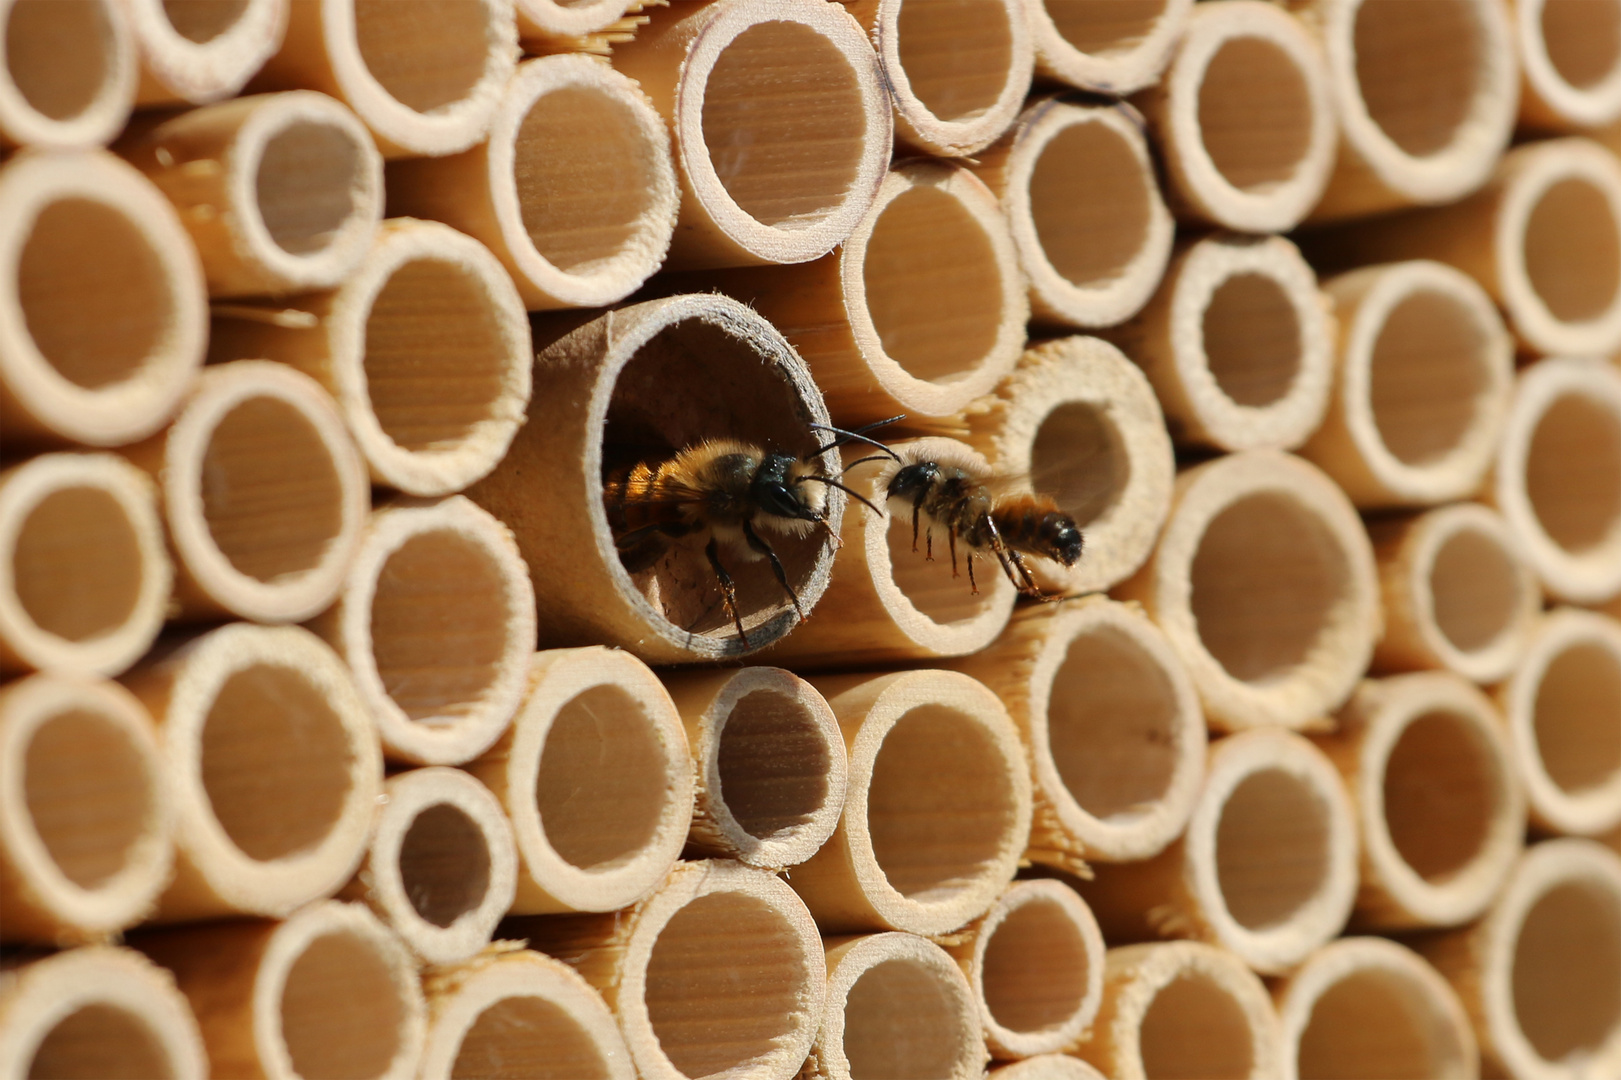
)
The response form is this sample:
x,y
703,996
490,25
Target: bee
x,y
733,492
978,509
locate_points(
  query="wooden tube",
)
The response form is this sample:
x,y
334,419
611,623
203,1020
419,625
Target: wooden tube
x,y
897,1005
516,1012
1267,867
1425,97
273,765
1422,383
719,971
425,347
281,193
921,311
1457,595
1440,811
1243,118
1238,343
1035,963
671,372
263,492
1046,1067
1543,237
196,53
893,603
1370,1007
437,621
69,74
1077,185
772,170
85,233
1080,420
1570,63
84,577
1563,707
1557,478
553,25
1183,1009
328,992
771,768
957,72
1537,975
1111,723
1265,584
574,190
595,775
87,838
938,810
1108,48
96,1012
441,867
424,77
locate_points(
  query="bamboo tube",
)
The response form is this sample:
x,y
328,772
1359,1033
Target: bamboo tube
x,y
897,1005
1080,420
273,766
938,810
770,765
328,992
1570,63
1421,388
549,25
594,774
1457,595
197,53
1077,185
84,578
1267,867
424,77
665,373
1543,237
96,1012
920,311
1563,707
574,190
69,75
957,72
263,493
1265,584
1425,96
1111,723
1046,1067
773,169
515,1012
436,620
280,193
87,838
1035,964
1113,49
1238,344
1367,1007
1537,975
718,972
1440,811
1183,1009
440,867
1557,478
85,233
893,603
425,347
1243,118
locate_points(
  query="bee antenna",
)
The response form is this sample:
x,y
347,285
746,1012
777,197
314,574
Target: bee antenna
x,y
851,436
863,461
853,494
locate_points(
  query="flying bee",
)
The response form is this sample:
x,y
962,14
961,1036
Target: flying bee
x,y
731,490
1009,524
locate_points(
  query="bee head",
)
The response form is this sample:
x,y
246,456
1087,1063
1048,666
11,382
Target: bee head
x,y
775,490
912,482
1061,538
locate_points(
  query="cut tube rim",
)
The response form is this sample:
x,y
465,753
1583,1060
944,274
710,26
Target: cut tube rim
x,y
567,19
200,72
22,125
1118,71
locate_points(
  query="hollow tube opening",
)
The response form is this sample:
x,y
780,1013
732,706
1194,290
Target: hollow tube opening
x,y
202,21
957,54
90,799
1572,250
444,864
773,763
900,1019
428,54
1194,1030
1272,855
1418,70
1475,590
306,184
1577,718
1255,116
1428,371
1582,40
724,984
528,1038
1092,203
1079,459
341,1013
600,786
76,565
1566,975
1035,974
1573,472
101,1042
1105,27
1372,1024
1441,789
1252,339
60,54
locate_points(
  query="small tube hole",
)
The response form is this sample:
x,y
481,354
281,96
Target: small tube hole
x,y
1573,472
527,1038
1441,788
1418,67
957,54
1428,372
427,54
444,864
1254,114
773,764
101,1042
59,54
89,798
1079,459
341,1013
1573,251
305,188
202,21
1194,1030
77,564
1271,848
900,1020
1475,588
1577,718
1252,339
1035,968
1091,202
1566,977
1370,1025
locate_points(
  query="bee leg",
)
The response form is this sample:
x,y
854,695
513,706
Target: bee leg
x,y
727,588
973,585
928,540
764,548
916,511
951,539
